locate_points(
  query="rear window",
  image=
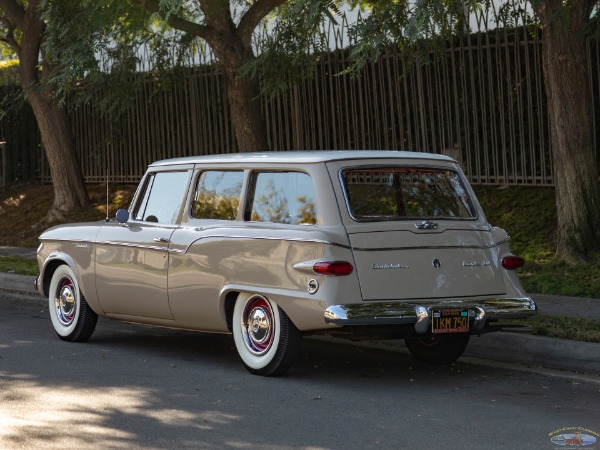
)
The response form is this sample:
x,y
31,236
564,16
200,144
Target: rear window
x,y
406,193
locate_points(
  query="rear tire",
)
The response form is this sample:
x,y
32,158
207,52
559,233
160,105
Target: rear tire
x,y
265,338
438,350
72,318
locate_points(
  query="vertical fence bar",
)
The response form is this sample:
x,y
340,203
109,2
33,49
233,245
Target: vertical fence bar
x,y
481,101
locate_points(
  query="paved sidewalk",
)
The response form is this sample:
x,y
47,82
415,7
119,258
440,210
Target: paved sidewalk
x,y
23,252
521,348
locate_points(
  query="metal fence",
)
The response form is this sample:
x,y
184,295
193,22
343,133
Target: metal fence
x,y
20,147
480,100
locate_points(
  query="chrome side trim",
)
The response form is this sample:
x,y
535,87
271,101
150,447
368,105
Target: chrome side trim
x,y
395,313
270,238
143,247
436,247
212,236
130,245
75,241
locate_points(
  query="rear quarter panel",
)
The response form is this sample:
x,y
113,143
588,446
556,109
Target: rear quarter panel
x,y
258,259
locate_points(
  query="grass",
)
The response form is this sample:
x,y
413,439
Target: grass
x,y
527,213
529,216
19,265
561,327
22,211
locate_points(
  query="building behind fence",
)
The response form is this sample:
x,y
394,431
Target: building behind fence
x,y
481,101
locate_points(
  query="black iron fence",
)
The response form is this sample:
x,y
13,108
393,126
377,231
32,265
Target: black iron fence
x,y
480,100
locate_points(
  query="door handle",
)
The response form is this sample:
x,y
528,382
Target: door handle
x,y
160,239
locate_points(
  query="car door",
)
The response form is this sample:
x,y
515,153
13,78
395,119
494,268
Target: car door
x,y
132,259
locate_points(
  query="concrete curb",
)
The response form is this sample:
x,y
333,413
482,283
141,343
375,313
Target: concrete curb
x,y
17,283
526,349
513,348
552,353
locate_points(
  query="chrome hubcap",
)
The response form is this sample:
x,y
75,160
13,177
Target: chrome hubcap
x,y
258,325
65,302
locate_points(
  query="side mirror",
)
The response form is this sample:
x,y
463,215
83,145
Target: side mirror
x,y
122,216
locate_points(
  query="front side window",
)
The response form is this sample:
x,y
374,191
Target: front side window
x,y
282,197
162,198
217,195
406,193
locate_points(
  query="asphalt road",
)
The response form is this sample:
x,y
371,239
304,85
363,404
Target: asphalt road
x,y
140,387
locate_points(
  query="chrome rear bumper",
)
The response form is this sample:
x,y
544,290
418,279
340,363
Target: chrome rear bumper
x,y
419,313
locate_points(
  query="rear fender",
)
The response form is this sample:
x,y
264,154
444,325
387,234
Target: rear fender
x,y
304,310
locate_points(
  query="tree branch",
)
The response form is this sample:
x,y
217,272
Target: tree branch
x,y
253,16
9,37
175,21
14,12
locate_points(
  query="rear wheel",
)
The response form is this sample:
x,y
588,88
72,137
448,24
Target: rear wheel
x,y
72,318
265,338
438,350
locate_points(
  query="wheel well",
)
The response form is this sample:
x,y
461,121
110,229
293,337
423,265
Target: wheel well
x,y
230,299
229,306
48,272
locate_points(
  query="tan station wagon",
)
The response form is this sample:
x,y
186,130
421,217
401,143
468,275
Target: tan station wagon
x,y
274,246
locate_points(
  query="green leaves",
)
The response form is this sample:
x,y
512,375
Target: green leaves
x,y
291,44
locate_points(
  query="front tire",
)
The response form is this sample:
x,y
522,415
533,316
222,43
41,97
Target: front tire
x,y
265,338
72,318
437,350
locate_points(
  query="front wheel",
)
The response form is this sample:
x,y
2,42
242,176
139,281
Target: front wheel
x,y
72,318
265,338
438,350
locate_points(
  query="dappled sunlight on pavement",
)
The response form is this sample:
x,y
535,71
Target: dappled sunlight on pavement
x,y
73,417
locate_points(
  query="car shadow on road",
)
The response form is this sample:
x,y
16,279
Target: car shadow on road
x,y
134,386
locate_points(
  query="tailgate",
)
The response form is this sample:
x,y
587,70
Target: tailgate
x,y
416,230
404,266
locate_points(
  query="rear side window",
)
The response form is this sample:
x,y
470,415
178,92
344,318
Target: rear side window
x,y
217,195
406,193
282,197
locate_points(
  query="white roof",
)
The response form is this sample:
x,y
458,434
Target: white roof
x,y
300,157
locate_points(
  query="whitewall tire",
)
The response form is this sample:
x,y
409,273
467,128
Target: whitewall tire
x,y
265,338
72,318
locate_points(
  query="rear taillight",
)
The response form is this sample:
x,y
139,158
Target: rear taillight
x,y
333,268
512,262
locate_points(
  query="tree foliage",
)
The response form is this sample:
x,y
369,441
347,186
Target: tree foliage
x,y
565,26
23,31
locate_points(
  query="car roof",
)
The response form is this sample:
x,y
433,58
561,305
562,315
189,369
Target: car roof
x,y
300,157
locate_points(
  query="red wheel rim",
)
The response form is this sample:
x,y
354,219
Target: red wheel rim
x,y
258,325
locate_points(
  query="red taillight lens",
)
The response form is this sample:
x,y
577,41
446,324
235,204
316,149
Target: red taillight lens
x,y
333,268
512,262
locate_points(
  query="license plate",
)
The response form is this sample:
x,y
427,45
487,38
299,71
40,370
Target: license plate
x,y
449,321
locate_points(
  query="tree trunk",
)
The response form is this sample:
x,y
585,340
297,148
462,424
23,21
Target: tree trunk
x,y
243,93
70,192
567,82
247,119
232,45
